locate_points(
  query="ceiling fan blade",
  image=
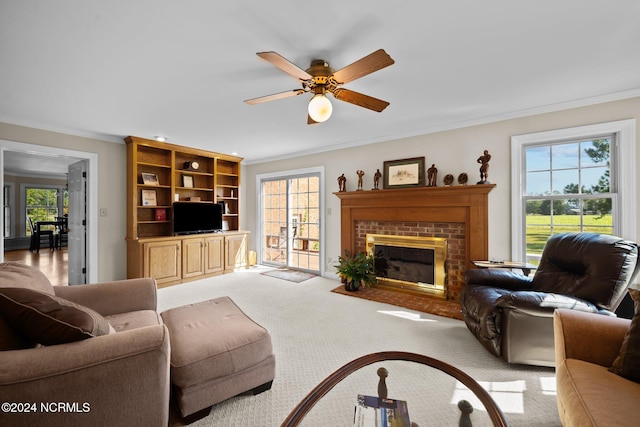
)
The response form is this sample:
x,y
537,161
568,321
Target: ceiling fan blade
x,y
367,65
360,100
274,96
285,65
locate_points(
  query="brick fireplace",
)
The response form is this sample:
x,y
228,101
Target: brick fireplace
x,y
458,213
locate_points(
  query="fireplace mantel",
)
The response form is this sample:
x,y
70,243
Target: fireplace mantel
x,y
468,204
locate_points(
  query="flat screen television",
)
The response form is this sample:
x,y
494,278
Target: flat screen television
x,y
196,217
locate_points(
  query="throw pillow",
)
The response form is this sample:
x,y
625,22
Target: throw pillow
x,y
47,319
627,364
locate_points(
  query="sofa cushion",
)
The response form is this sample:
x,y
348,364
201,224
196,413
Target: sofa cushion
x,y
10,339
47,319
590,395
133,320
627,364
14,274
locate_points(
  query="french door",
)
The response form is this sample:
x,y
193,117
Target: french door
x,y
290,220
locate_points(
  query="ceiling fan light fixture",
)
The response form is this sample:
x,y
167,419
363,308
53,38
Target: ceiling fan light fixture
x,y
320,108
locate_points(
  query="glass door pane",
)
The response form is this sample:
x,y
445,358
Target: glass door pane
x,y
274,220
291,222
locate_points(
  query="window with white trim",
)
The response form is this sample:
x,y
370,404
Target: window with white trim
x,y
572,180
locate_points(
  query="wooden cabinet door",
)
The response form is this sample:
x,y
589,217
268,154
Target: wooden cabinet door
x,y
236,252
213,254
162,261
192,257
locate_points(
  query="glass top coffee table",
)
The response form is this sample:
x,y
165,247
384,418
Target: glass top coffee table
x,y
431,392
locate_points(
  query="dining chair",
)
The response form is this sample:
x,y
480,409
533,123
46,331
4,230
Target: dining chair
x,y
36,237
62,232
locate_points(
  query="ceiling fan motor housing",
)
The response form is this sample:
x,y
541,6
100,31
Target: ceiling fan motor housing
x,y
320,71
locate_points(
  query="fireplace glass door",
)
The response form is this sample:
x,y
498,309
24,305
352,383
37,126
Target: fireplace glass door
x,y
291,222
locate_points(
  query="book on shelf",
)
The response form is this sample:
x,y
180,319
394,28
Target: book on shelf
x,y
373,411
161,214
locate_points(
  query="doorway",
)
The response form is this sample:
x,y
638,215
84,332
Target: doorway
x,y
290,220
87,259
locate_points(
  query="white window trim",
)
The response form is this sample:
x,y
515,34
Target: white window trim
x,y
625,132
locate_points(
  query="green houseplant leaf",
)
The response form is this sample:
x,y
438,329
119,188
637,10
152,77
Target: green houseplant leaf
x,y
357,269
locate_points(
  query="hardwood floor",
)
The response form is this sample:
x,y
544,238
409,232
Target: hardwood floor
x,y
52,263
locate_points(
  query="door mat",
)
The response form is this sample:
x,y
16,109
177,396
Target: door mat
x,y
425,304
290,275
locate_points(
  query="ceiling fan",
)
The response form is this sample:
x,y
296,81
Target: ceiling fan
x,y
320,78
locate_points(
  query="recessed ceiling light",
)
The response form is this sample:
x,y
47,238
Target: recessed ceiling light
x,y
234,153
160,138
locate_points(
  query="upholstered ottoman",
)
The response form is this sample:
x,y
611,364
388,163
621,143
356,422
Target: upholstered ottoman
x,y
217,352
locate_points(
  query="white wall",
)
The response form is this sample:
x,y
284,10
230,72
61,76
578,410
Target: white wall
x,y
453,152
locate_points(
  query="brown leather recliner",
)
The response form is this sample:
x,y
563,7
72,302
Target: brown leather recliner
x,y
512,315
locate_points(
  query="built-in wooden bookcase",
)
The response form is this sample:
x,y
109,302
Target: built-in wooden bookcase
x,y
159,174
227,184
217,179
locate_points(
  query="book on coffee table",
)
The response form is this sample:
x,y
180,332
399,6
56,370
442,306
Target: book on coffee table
x,y
372,411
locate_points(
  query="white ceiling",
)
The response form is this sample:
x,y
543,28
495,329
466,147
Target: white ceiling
x,y
182,69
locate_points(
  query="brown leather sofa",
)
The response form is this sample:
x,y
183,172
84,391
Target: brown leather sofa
x,y
115,379
588,394
512,314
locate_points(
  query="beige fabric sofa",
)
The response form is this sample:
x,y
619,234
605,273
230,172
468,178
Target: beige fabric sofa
x,y
111,380
588,393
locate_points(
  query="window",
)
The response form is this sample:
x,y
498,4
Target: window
x,y
45,204
572,180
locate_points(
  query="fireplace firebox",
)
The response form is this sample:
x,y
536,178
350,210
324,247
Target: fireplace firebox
x,y
411,263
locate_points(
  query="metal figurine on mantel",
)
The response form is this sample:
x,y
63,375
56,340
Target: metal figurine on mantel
x,y
484,167
376,179
360,175
432,176
342,183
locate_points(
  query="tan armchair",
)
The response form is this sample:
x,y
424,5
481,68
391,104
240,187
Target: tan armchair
x,y
121,378
588,394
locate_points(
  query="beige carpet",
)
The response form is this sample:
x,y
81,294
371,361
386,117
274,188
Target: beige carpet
x,y
316,331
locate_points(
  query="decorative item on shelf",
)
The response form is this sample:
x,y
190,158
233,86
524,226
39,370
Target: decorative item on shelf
x,y
463,178
448,180
360,174
342,183
149,198
187,181
194,199
176,197
484,167
404,173
376,179
432,176
356,271
150,179
161,214
191,166
225,225
227,209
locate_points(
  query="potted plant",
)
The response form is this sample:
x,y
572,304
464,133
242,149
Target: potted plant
x,y
356,271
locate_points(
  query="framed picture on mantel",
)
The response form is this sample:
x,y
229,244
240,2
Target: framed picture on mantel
x,y
404,173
